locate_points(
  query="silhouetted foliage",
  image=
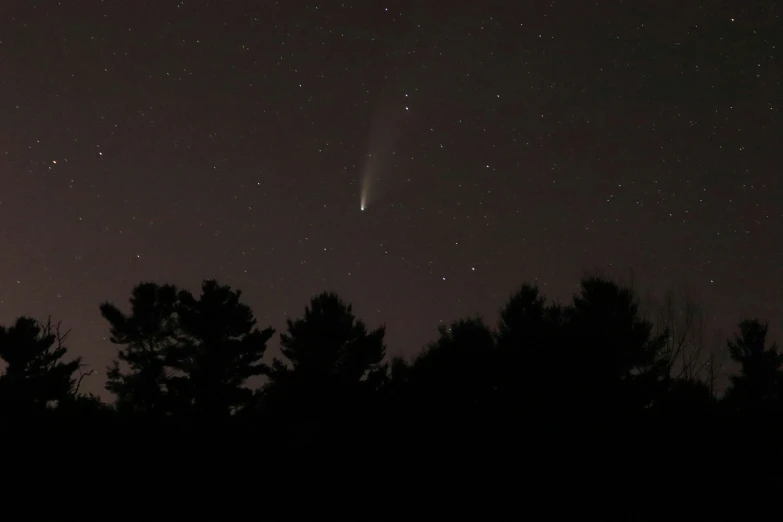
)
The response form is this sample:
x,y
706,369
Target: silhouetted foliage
x,y
759,384
330,343
218,348
614,356
185,355
139,376
457,375
534,350
36,374
333,373
686,397
589,401
526,322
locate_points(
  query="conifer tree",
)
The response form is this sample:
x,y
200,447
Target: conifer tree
x,y
36,374
139,376
218,349
329,344
757,387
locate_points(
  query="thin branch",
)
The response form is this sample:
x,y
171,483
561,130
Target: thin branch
x,y
82,376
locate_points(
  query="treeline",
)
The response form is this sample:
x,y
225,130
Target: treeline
x,y
596,408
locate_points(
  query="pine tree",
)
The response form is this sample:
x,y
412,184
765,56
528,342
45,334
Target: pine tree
x,y
329,344
219,348
758,385
612,356
139,375
458,374
35,374
335,369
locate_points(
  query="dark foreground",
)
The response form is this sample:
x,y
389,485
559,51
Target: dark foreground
x,y
649,469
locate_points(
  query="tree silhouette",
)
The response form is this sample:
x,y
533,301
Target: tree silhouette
x,y
758,385
139,376
535,354
526,321
753,401
456,375
36,374
335,367
579,400
182,355
615,359
218,348
329,344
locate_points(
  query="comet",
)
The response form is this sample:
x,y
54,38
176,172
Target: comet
x,y
366,183
380,152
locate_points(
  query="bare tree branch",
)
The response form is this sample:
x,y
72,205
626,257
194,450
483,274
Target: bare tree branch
x,y
79,382
686,353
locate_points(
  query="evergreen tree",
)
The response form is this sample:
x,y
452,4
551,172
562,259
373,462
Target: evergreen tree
x,y
139,376
460,367
330,345
456,379
758,385
524,321
35,373
218,349
335,369
529,336
613,357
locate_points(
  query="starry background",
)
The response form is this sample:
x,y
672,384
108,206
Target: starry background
x,y
495,143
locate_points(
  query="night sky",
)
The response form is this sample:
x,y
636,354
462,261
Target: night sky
x,y
490,144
